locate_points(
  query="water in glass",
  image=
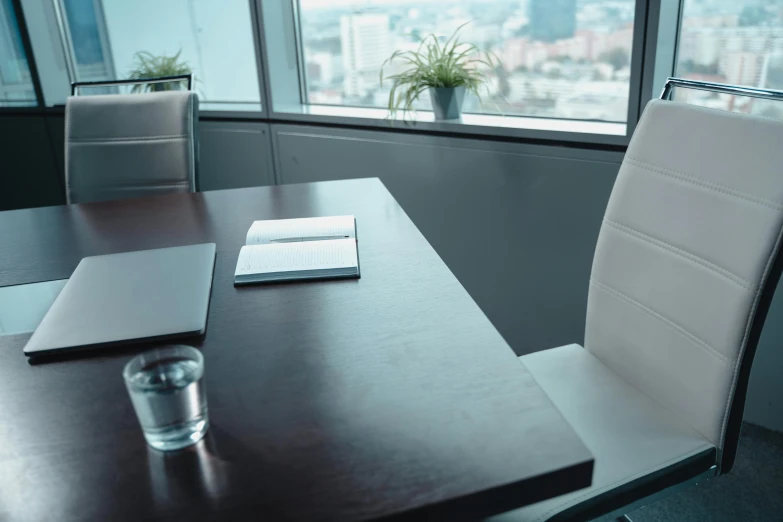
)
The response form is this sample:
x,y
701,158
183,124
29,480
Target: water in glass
x,y
167,391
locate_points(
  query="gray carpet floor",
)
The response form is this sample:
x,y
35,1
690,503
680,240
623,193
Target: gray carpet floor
x,y
752,491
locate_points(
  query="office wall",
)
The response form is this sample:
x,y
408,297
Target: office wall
x,y
516,223
28,170
764,404
234,155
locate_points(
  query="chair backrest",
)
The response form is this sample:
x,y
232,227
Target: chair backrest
x,y
687,261
125,146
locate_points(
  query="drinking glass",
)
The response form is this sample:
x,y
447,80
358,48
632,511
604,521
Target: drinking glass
x,y
166,387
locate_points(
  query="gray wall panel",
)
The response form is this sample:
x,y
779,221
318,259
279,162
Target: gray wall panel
x,y
764,404
517,224
234,155
28,172
55,124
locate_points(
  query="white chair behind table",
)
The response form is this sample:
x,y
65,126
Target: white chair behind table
x,y
685,268
121,146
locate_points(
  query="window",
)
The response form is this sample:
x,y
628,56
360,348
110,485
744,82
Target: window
x,y
16,86
558,58
213,39
734,42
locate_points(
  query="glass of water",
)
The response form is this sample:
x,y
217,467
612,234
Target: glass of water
x,y
166,387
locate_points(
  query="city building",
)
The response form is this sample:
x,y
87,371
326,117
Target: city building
x,y
705,44
365,46
324,69
513,56
552,20
742,68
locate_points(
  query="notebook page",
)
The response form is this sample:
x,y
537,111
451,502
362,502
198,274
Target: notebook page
x,y
296,257
262,232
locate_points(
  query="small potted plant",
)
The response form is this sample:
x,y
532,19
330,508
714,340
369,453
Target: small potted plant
x,y
147,65
447,71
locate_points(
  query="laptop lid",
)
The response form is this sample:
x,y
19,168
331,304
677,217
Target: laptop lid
x,y
133,296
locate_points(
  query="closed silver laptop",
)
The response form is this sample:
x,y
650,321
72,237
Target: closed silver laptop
x,y
128,297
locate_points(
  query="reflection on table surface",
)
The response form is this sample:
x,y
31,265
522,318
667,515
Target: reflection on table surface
x,y
22,307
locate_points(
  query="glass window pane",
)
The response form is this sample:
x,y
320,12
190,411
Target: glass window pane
x,y
739,42
16,86
558,58
213,39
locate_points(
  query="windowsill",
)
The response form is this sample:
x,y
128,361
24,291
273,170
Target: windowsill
x,y
473,124
228,107
209,109
470,125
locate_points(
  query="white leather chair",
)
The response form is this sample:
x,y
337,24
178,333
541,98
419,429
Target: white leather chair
x,y
684,270
127,146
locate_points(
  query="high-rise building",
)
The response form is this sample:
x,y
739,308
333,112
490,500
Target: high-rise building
x,y
365,46
552,20
324,69
742,68
707,45
15,82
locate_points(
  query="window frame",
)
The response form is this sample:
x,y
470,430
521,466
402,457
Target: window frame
x,y
36,105
661,46
286,22
54,47
275,24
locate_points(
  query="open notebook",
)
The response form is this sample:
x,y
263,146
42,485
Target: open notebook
x,y
297,249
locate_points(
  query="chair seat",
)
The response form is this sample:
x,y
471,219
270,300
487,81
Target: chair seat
x,y
632,438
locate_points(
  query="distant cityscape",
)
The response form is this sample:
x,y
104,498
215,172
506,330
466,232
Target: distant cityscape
x,y
557,58
734,42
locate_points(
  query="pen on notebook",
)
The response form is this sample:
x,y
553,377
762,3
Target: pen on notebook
x,y
302,239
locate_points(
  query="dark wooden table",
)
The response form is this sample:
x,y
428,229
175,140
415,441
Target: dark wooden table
x,y
390,396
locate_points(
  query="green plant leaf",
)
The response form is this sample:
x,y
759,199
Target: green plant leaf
x,y
147,65
434,65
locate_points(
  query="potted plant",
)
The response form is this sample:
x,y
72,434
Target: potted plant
x,y
447,71
147,65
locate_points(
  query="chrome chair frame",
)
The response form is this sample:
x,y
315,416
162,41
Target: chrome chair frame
x,y
722,88
726,459
109,83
